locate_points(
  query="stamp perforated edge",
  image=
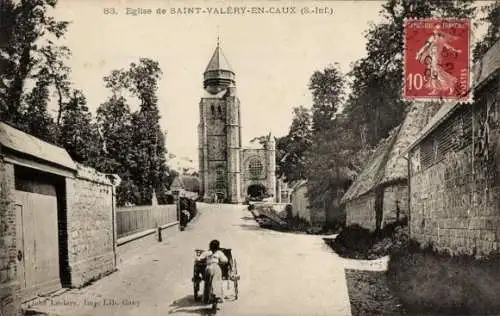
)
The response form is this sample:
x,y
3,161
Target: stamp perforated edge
x,y
471,83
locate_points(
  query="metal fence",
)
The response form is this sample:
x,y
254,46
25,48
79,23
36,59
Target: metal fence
x,y
131,220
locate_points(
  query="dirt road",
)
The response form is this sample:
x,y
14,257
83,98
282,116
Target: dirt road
x,y
281,274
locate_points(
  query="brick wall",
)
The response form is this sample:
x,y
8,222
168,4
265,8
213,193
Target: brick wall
x,y
361,211
455,194
90,226
9,284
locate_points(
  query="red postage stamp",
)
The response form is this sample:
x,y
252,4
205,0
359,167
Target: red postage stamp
x,y
437,60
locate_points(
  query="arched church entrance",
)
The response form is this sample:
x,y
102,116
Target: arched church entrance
x,y
257,190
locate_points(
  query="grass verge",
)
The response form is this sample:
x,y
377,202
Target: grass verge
x,y
370,295
427,282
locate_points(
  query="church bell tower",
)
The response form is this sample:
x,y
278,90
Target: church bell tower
x,y
219,133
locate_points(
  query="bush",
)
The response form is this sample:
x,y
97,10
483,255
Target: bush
x,y
357,242
355,237
296,223
288,211
333,227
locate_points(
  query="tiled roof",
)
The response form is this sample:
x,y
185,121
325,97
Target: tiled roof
x,y
218,61
387,163
22,142
188,183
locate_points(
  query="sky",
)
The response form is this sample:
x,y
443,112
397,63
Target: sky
x,y
273,55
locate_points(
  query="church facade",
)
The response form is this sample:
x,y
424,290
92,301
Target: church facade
x,y
228,172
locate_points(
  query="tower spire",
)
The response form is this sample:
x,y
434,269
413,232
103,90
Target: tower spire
x,y
218,36
218,75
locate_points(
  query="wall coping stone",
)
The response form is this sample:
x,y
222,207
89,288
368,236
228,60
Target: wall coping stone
x,y
90,174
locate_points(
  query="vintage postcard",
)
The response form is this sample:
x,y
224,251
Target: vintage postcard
x,y
249,157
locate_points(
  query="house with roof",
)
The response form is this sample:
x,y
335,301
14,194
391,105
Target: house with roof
x,y
186,186
379,195
455,170
57,219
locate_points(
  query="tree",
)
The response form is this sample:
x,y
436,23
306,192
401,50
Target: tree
x,y
77,133
115,125
290,149
58,74
36,119
27,35
327,89
127,191
374,106
329,163
134,141
492,19
325,157
150,170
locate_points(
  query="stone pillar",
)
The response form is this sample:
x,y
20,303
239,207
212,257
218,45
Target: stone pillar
x,y
278,191
271,167
203,153
233,147
10,299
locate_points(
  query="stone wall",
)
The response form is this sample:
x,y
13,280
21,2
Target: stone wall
x,y
395,197
452,209
455,196
300,203
90,216
9,285
361,211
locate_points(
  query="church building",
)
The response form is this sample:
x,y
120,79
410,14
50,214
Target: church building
x,y
228,172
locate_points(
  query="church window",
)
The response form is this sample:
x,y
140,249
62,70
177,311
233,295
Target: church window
x,y
212,109
220,111
255,168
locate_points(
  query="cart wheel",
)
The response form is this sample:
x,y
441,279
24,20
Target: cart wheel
x,y
235,277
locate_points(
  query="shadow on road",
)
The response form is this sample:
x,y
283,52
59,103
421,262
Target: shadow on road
x,y
187,305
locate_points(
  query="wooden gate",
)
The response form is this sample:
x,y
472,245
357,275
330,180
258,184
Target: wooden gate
x,y
37,242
